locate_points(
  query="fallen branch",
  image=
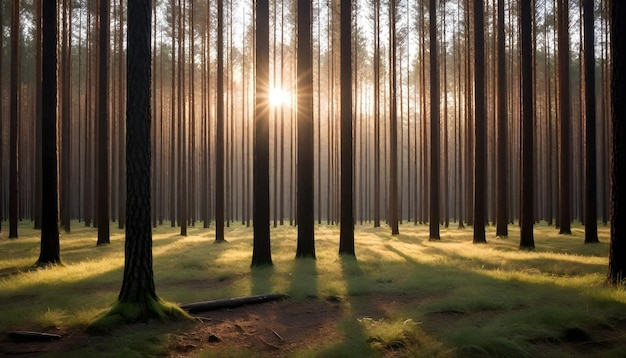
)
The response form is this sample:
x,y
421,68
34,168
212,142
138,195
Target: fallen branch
x,y
28,336
231,302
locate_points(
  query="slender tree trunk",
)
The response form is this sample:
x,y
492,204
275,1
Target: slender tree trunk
x,y
38,98
261,254
305,206
565,156
480,150
66,142
617,253
103,130
502,124
377,114
591,210
50,247
393,124
14,196
219,150
527,213
346,234
434,126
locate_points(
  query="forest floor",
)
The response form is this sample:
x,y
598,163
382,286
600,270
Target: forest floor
x,y
403,296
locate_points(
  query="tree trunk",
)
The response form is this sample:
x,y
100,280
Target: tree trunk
x,y
66,143
306,208
346,234
564,120
377,114
138,284
617,253
502,124
434,126
50,248
480,152
591,210
393,124
261,254
527,213
103,130
219,145
13,131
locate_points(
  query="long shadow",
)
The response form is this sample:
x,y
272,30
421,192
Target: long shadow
x,y
304,278
261,279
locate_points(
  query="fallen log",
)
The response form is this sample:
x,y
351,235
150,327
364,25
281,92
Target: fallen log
x,y
231,302
29,336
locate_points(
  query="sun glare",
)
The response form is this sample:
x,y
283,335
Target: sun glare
x,y
278,97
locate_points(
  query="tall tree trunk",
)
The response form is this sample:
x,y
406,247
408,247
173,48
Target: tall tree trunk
x,y
434,126
617,253
219,145
138,283
304,70
377,114
346,233
14,196
103,130
591,210
261,254
564,120
2,126
393,124
502,124
50,247
66,142
480,150
527,240
38,139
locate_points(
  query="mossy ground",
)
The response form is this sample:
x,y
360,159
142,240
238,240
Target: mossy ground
x,y
403,296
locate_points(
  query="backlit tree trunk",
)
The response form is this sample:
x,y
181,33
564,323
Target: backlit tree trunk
x,y
304,70
502,121
261,254
346,234
434,125
219,145
50,248
103,127
480,123
527,213
591,211
564,120
138,284
15,80
617,253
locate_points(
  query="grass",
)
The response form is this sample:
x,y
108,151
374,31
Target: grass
x,y
403,296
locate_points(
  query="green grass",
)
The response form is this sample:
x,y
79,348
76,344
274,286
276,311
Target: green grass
x,y
403,296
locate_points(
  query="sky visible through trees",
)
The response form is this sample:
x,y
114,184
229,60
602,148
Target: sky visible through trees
x,y
185,110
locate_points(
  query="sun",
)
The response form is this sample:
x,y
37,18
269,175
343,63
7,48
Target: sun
x,y
278,97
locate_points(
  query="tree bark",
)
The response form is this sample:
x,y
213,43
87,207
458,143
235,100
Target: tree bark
x,y
393,124
527,213
434,126
138,283
591,210
261,253
103,126
502,124
617,252
14,196
564,120
50,247
304,70
219,144
346,233
480,125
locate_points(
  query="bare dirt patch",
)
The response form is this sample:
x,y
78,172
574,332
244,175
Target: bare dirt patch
x,y
271,329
